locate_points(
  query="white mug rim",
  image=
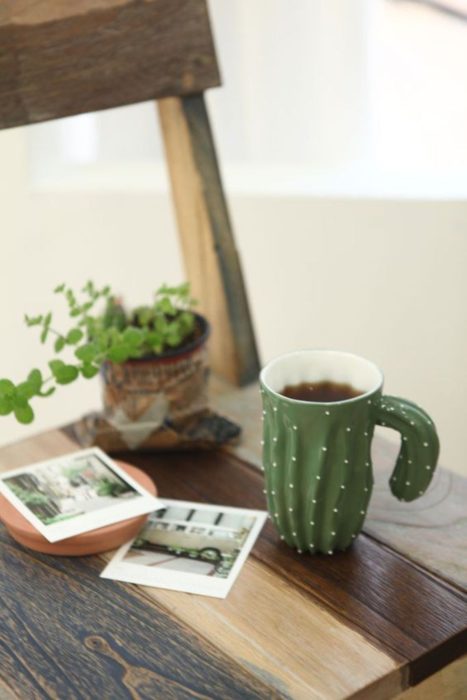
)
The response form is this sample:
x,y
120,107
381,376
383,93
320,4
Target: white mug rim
x,y
354,399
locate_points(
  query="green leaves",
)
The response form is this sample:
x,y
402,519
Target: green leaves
x,y
119,353
113,335
88,371
63,374
74,336
7,388
59,344
87,352
6,405
15,398
23,412
46,327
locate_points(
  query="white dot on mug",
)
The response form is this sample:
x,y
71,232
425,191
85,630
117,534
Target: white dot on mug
x,y
348,429
274,439
282,537
294,534
273,493
312,522
295,427
342,486
427,466
318,477
346,461
328,413
311,544
365,434
324,449
329,551
420,493
262,442
274,464
294,459
365,489
409,461
425,444
313,500
333,534
264,491
407,483
276,515
336,510
362,512
290,486
274,408
412,422
290,510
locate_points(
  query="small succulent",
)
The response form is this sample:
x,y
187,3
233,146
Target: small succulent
x,y
114,335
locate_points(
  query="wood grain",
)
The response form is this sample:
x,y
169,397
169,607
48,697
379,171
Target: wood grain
x,y
364,623
295,645
66,633
448,684
59,58
211,259
406,612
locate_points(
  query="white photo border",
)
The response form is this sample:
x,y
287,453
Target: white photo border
x,y
88,521
140,574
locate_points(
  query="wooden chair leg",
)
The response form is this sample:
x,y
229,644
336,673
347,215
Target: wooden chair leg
x,y
211,259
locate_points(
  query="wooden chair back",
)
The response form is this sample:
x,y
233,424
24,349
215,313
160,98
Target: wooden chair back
x,y
60,58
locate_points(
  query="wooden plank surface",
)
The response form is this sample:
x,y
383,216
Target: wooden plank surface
x,y
65,633
365,621
62,58
211,260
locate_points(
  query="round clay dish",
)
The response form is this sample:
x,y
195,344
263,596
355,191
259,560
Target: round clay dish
x,y
101,540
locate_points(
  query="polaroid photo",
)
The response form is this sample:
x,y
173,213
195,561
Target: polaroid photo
x,y
190,547
75,493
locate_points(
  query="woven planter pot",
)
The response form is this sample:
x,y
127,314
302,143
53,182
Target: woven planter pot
x,y
141,396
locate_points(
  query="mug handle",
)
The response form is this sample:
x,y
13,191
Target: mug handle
x,y
419,445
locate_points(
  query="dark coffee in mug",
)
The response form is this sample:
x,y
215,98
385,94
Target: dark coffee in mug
x,y
322,392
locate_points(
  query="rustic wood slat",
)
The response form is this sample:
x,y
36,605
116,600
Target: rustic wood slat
x,y
66,633
293,611
448,684
409,614
206,237
59,58
295,645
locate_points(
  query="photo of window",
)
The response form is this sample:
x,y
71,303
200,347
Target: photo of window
x,y
189,547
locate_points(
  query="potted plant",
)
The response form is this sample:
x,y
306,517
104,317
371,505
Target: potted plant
x,y
152,360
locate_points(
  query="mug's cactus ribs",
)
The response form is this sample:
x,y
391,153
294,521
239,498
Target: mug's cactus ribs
x,y
317,464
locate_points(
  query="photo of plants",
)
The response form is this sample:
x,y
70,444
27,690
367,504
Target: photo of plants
x,y
192,541
60,491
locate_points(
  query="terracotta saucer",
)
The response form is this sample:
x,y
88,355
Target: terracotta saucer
x,y
101,540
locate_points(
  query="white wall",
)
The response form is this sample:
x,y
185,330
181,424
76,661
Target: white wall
x,y
377,269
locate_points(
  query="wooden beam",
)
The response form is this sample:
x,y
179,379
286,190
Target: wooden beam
x,y
60,58
211,259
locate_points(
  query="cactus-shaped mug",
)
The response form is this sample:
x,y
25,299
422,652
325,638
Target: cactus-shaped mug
x,y
317,455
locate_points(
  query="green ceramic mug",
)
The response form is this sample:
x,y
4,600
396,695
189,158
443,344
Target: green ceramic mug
x,y
317,456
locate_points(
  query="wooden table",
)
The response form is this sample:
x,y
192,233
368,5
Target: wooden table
x,y
367,623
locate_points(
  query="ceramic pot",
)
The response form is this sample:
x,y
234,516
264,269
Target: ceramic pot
x,y
317,456
142,395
